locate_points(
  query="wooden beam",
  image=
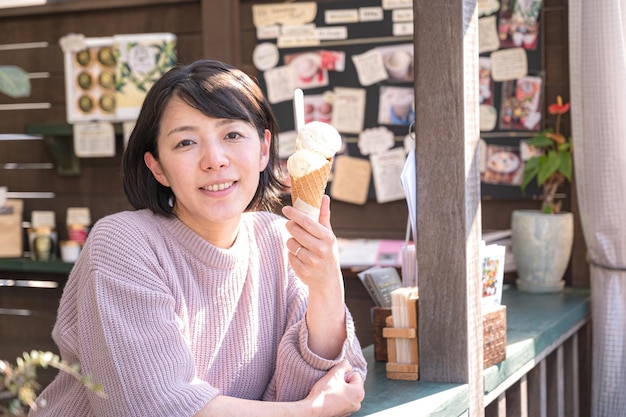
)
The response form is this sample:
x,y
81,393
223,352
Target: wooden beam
x,y
448,193
220,30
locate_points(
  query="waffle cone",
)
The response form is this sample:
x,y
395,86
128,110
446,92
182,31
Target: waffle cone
x,y
308,190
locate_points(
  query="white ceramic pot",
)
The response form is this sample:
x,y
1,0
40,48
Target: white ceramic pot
x,y
542,245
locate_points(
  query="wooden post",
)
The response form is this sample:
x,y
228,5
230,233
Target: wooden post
x,y
448,194
220,30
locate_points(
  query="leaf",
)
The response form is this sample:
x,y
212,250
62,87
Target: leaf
x,y
540,141
565,165
14,81
530,171
548,166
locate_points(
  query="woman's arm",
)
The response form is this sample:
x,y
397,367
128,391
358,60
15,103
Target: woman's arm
x,y
338,393
317,265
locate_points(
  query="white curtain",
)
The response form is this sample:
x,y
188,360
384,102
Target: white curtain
x,y
598,96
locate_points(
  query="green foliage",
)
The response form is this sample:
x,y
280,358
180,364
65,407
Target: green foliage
x,y
552,166
19,385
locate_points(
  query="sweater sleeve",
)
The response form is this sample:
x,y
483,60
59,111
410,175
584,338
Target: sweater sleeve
x,y
128,337
297,367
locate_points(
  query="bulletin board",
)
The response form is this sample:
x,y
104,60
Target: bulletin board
x,y
354,62
511,93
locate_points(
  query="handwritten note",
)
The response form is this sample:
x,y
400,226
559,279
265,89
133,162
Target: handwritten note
x,y
370,68
487,35
349,109
283,13
351,179
387,169
509,64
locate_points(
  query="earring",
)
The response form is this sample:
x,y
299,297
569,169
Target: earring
x,y
170,201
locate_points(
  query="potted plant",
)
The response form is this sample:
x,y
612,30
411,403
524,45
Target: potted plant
x,y
542,239
552,165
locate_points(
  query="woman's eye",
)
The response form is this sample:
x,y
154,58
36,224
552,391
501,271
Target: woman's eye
x,y
233,135
184,142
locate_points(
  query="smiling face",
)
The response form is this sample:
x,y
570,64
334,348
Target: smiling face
x,y
212,166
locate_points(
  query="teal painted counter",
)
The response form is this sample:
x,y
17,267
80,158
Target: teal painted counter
x,y
534,322
28,265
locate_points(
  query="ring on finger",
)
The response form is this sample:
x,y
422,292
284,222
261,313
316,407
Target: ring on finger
x,y
297,252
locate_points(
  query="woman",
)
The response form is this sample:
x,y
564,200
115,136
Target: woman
x,y
200,302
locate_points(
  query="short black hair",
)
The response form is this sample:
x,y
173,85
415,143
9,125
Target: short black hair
x,y
218,90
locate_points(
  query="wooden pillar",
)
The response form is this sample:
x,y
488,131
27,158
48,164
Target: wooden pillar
x,y
448,193
220,31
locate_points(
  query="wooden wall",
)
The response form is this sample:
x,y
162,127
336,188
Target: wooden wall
x,y
219,29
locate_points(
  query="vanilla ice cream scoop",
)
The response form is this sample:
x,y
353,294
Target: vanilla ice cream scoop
x,y
319,137
303,162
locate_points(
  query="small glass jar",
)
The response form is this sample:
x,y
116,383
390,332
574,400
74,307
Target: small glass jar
x,y
43,244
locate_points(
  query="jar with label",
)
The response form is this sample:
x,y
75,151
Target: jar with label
x,y
43,244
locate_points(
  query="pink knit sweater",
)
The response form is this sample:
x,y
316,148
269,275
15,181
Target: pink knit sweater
x,y
166,321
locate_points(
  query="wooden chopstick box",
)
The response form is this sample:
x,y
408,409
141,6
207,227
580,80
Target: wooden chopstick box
x,y
494,335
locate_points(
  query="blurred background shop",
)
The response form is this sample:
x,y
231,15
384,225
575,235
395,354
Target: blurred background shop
x,y
89,61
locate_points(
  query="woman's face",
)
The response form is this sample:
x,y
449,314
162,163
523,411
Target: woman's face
x,y
212,166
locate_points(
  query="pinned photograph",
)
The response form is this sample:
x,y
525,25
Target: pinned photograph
x,y
307,70
503,165
519,23
396,106
398,62
485,83
317,108
521,104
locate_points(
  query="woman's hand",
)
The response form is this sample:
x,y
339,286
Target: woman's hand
x,y
338,393
313,250
314,256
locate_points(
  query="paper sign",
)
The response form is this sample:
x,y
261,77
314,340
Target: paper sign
x,y
351,179
43,218
265,56
268,32
402,15
371,14
492,273
509,64
488,118
280,84
487,35
349,109
396,4
78,215
370,67
487,7
376,140
387,169
408,179
283,13
141,59
94,140
333,17
403,29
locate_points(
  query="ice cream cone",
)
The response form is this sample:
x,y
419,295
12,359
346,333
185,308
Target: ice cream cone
x,y
307,191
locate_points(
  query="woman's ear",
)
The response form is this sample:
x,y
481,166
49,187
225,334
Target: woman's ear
x,y
265,150
155,167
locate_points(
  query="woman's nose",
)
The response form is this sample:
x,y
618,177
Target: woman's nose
x,y
214,157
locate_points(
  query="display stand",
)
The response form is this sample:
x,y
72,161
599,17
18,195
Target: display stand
x,y
400,370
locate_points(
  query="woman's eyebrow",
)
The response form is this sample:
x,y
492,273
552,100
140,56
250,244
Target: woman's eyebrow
x,y
181,129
